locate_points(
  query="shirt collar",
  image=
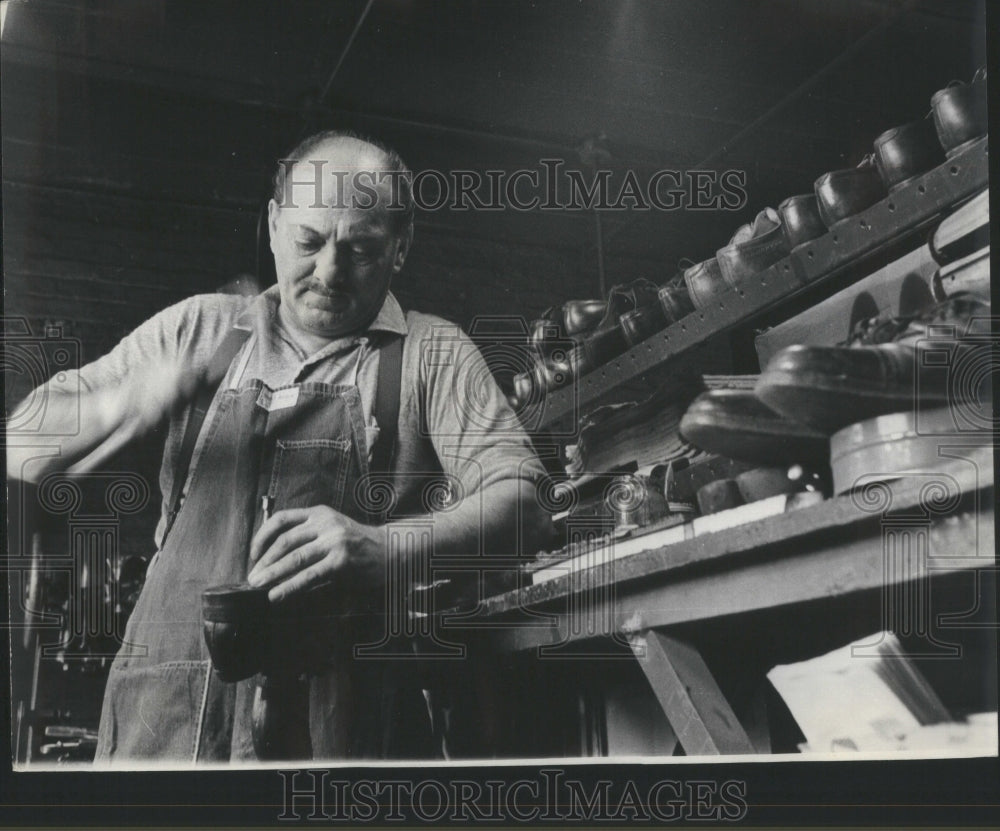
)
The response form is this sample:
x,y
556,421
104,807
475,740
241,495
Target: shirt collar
x,y
390,317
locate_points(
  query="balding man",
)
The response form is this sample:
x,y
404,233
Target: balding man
x,y
306,391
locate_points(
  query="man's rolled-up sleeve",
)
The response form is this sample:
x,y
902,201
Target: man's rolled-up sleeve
x,y
477,436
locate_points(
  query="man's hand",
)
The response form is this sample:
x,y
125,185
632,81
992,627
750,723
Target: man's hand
x,y
303,548
86,428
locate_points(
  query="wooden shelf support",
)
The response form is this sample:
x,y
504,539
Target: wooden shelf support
x,y
698,712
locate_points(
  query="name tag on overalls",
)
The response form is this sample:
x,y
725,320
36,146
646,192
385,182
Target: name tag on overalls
x,y
282,399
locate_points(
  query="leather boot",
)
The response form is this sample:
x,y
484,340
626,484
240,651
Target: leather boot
x,y
582,316
905,152
675,299
642,323
735,424
941,357
800,219
844,193
608,340
748,254
960,114
705,282
720,495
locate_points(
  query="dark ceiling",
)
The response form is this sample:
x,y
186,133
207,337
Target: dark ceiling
x,y
204,95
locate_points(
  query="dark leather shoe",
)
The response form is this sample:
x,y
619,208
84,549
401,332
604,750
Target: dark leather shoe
x,y
604,345
929,361
765,482
735,424
844,193
549,376
675,299
720,495
829,387
746,255
627,297
642,323
581,316
800,219
905,152
705,282
960,114
572,319
609,340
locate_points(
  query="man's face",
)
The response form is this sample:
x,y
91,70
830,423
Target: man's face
x,y
334,259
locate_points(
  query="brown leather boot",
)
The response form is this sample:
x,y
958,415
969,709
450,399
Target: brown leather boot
x,y
944,356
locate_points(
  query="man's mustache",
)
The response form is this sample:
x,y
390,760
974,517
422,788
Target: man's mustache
x,y
326,291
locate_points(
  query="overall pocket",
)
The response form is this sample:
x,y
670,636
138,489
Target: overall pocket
x,y
309,472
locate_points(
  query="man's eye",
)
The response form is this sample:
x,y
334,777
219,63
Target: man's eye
x,y
307,246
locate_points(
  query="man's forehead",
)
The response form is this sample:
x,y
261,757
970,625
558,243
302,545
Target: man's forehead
x,y
341,173
347,219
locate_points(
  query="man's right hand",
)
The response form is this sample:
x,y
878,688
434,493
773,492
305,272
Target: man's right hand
x,y
80,429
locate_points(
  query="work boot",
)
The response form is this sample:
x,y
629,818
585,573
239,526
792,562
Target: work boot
x,y
942,356
735,424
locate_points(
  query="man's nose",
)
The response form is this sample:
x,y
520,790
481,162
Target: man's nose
x,y
328,267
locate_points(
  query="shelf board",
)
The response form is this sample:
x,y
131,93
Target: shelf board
x,y
832,549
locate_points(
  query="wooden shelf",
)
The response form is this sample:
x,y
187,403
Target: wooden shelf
x,y
831,549
847,244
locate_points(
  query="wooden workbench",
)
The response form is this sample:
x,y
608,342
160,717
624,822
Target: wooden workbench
x,y
912,556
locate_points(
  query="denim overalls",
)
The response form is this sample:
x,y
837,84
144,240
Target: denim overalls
x,y
300,446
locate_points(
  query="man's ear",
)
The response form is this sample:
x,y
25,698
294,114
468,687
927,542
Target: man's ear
x,y
403,242
272,222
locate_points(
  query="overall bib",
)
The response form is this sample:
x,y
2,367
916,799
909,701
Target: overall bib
x,y
300,446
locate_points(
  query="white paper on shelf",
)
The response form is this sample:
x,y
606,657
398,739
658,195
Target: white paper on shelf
x,y
615,550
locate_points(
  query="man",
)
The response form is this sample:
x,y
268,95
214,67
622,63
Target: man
x,y
272,482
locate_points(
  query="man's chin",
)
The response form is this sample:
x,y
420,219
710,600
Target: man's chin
x,y
333,324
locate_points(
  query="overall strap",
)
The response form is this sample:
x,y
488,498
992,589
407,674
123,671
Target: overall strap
x,y
217,368
386,406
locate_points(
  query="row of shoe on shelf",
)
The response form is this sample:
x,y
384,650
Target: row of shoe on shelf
x,y
581,335
879,403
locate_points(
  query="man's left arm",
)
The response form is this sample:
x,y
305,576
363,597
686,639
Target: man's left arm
x,y
303,548
483,450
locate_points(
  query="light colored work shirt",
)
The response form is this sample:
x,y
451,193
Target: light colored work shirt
x,y
453,417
